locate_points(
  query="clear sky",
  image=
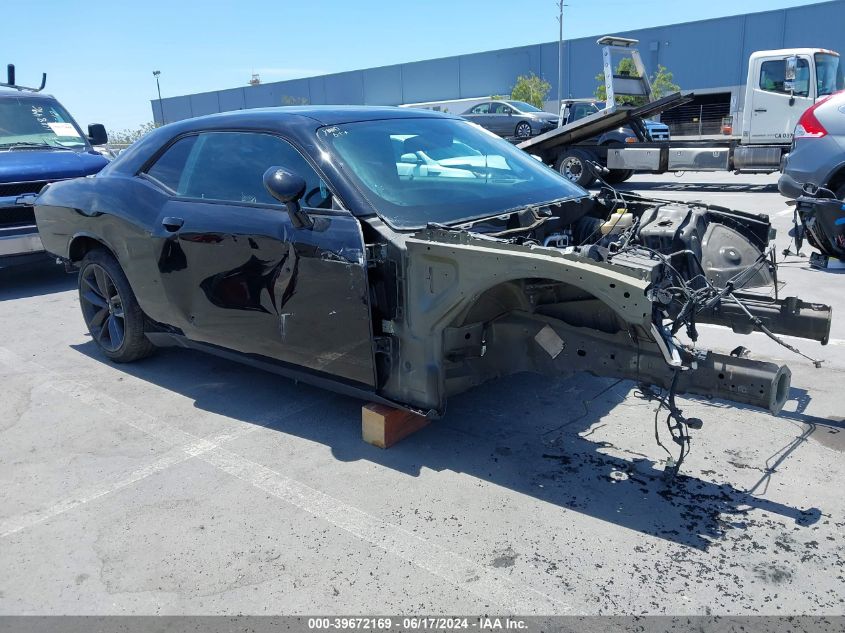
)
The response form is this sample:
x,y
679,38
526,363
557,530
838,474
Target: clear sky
x,y
99,54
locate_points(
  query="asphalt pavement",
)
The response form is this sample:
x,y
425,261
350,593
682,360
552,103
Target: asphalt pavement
x,y
186,484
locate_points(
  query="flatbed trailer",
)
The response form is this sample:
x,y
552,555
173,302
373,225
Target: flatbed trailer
x,y
567,148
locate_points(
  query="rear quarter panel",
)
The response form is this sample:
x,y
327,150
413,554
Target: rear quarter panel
x,y
117,211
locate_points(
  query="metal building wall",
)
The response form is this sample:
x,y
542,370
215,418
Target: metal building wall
x,y
702,55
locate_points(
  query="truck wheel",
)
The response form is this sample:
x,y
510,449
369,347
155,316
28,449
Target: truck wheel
x,y
523,129
110,310
573,166
618,175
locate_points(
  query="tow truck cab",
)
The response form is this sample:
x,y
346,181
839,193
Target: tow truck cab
x,y
781,85
40,143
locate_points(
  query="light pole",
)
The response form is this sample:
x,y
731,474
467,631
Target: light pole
x,y
156,73
560,57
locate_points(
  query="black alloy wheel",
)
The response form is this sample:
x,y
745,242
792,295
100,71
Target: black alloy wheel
x,y
110,310
102,308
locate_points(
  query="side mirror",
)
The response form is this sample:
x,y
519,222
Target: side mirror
x,y
288,188
791,68
97,134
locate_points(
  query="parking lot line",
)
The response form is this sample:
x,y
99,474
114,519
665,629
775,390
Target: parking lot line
x,y
483,582
170,458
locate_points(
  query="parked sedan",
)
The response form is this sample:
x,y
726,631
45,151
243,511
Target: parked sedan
x,y
339,246
818,149
511,118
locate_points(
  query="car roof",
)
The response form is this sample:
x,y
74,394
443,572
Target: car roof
x,y
296,121
323,115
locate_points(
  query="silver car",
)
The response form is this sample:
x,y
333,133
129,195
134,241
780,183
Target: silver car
x,y
511,118
818,149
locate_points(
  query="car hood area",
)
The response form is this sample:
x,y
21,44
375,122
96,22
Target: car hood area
x,y
561,289
46,165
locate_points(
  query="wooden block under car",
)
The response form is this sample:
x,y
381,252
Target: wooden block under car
x,y
383,426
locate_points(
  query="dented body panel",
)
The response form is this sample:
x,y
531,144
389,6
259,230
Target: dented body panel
x,y
240,278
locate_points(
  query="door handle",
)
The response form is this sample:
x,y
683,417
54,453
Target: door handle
x,y
172,224
760,110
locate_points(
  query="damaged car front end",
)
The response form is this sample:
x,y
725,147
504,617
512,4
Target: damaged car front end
x,y
469,308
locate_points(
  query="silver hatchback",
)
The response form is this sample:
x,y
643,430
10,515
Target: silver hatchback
x,y
818,149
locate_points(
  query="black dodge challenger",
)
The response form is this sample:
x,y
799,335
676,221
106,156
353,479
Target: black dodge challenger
x,y
406,256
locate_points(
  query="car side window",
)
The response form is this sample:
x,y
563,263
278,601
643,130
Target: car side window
x,y
773,77
170,165
483,108
499,108
230,166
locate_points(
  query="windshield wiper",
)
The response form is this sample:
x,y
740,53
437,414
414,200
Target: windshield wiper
x,y
31,145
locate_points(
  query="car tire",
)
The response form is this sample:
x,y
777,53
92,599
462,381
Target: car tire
x,y
110,309
523,130
573,166
618,175
840,193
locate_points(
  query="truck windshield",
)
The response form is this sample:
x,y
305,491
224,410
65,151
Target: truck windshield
x,y
446,171
34,121
828,74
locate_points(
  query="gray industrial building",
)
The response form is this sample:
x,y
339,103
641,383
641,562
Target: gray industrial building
x,y
709,57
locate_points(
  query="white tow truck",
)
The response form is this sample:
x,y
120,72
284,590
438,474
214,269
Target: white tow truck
x,y
781,85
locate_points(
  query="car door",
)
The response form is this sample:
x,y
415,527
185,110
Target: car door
x,y
237,272
774,108
480,114
500,119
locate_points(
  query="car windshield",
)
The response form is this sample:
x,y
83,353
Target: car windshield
x,y
828,74
446,171
524,107
37,121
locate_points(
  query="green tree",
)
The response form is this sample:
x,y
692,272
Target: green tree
x,y
531,89
127,136
661,83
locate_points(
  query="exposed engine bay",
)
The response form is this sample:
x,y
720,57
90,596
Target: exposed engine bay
x,y
609,284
